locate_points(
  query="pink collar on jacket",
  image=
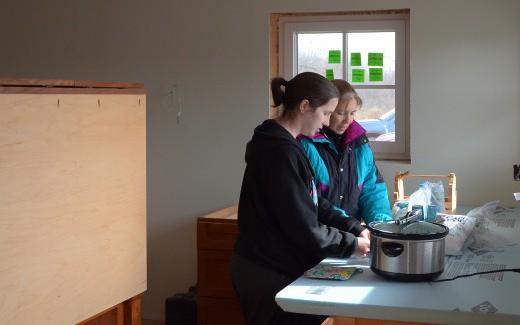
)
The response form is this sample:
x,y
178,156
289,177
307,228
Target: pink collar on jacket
x,y
354,131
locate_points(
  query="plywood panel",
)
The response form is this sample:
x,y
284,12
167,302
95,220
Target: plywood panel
x,y
113,316
72,205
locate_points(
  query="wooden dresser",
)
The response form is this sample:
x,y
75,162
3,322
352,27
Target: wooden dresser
x,y
72,202
216,235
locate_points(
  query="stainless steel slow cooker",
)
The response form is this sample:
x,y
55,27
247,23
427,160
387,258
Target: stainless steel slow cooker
x,y
407,249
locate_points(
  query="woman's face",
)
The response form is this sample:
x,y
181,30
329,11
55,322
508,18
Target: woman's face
x,y
343,115
315,119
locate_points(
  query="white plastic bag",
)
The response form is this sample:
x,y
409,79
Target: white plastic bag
x,y
399,209
437,195
430,196
460,227
489,233
420,197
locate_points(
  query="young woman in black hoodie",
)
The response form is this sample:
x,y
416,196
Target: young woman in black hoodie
x,y
285,228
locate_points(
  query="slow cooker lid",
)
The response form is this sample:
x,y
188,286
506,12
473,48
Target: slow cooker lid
x,y
413,230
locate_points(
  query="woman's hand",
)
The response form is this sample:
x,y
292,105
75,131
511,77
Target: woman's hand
x,y
365,234
363,246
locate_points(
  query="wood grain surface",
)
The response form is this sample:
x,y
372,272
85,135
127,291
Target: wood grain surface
x,y
72,205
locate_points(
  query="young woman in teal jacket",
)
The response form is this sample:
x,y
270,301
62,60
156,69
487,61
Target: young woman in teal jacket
x,y
344,164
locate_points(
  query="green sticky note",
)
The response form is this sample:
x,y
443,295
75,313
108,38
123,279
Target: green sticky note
x,y
334,56
358,75
329,74
376,74
355,59
375,59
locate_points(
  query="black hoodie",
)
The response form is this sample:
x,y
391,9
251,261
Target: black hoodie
x,y
282,224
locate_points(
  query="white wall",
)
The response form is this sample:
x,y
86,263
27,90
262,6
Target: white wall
x,y
465,97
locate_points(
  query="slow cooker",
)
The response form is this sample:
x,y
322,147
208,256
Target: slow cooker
x,y
407,249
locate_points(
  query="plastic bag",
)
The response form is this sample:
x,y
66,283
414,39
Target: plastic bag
x,y
420,197
399,209
460,227
331,272
430,196
486,236
437,195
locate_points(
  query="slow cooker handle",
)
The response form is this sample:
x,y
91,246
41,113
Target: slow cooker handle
x,y
392,249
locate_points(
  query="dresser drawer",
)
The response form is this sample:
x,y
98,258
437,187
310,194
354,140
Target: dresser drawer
x,y
216,236
214,278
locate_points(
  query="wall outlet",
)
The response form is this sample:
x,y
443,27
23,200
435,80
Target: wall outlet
x,y
516,172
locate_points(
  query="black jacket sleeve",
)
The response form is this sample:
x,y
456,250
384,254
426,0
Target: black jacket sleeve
x,y
334,218
294,212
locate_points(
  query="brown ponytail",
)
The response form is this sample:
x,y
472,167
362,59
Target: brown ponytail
x,y
276,90
307,85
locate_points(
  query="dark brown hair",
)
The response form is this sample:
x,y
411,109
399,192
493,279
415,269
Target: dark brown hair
x,y
307,85
346,92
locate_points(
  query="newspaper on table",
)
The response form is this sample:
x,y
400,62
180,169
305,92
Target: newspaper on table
x,y
493,245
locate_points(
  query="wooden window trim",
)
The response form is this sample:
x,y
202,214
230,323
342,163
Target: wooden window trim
x,y
275,70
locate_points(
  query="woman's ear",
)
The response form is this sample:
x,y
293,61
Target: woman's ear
x,y
304,106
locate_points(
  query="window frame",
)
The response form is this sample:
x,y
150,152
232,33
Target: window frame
x,y
284,29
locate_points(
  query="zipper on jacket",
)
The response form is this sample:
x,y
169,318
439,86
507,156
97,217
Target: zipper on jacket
x,y
347,155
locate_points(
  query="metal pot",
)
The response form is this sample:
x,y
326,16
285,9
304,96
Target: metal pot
x,y
407,249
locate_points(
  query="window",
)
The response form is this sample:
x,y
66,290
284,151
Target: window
x,y
369,50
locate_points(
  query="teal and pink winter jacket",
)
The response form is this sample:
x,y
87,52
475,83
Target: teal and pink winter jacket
x,y
347,174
